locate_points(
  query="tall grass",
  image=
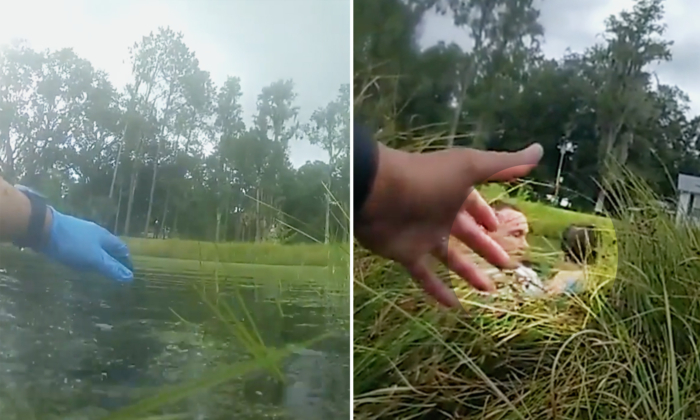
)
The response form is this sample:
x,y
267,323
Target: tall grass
x,y
265,253
239,323
627,348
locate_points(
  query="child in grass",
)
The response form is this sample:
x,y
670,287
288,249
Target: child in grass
x,y
579,244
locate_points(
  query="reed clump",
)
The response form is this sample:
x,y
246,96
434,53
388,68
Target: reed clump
x,y
626,348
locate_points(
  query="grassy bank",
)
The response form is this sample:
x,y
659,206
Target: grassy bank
x,y
209,271
319,255
625,349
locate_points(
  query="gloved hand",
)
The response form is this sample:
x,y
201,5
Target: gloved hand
x,y
86,246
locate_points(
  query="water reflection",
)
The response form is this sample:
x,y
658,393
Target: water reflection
x,y
77,347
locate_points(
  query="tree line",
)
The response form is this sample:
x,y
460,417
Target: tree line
x,y
170,155
586,108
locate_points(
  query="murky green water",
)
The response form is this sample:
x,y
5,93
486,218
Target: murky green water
x,y
75,346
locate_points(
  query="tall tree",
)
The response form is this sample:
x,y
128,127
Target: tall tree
x,y
276,125
620,79
501,31
329,128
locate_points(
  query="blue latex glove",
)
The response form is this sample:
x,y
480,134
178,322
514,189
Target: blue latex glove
x,y
86,246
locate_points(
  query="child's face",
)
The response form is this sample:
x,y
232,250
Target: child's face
x,y
512,232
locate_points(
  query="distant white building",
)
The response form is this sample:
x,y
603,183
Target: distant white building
x,y
688,198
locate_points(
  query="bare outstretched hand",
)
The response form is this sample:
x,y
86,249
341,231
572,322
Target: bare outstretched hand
x,y
419,199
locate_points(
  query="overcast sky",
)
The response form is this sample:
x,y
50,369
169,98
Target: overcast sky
x,y
575,24
259,41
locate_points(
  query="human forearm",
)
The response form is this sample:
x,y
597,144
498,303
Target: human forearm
x,y
377,170
365,160
15,210
28,222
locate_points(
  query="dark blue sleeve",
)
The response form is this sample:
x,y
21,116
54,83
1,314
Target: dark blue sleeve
x,y
364,166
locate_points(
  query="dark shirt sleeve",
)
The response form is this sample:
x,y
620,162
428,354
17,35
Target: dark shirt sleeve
x,y
364,166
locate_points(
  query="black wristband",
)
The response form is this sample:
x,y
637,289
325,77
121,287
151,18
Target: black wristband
x,y
34,236
364,166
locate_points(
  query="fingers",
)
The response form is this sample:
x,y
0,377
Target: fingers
x,y
432,285
458,261
483,166
113,269
117,249
466,229
480,210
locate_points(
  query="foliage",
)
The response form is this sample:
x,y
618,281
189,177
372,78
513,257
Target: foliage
x,y
170,155
504,94
626,348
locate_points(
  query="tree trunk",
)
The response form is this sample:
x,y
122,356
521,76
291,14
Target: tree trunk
x,y
126,127
119,206
217,231
469,74
241,227
227,213
130,203
600,202
625,144
482,134
116,165
258,229
608,148
153,189
159,139
327,233
137,86
161,230
455,117
177,217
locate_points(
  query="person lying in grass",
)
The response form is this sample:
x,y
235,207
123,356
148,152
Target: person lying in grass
x,y
578,244
511,236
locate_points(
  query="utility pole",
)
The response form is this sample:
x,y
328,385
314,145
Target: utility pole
x,y
567,146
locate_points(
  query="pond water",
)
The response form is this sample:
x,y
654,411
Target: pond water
x,y
76,346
